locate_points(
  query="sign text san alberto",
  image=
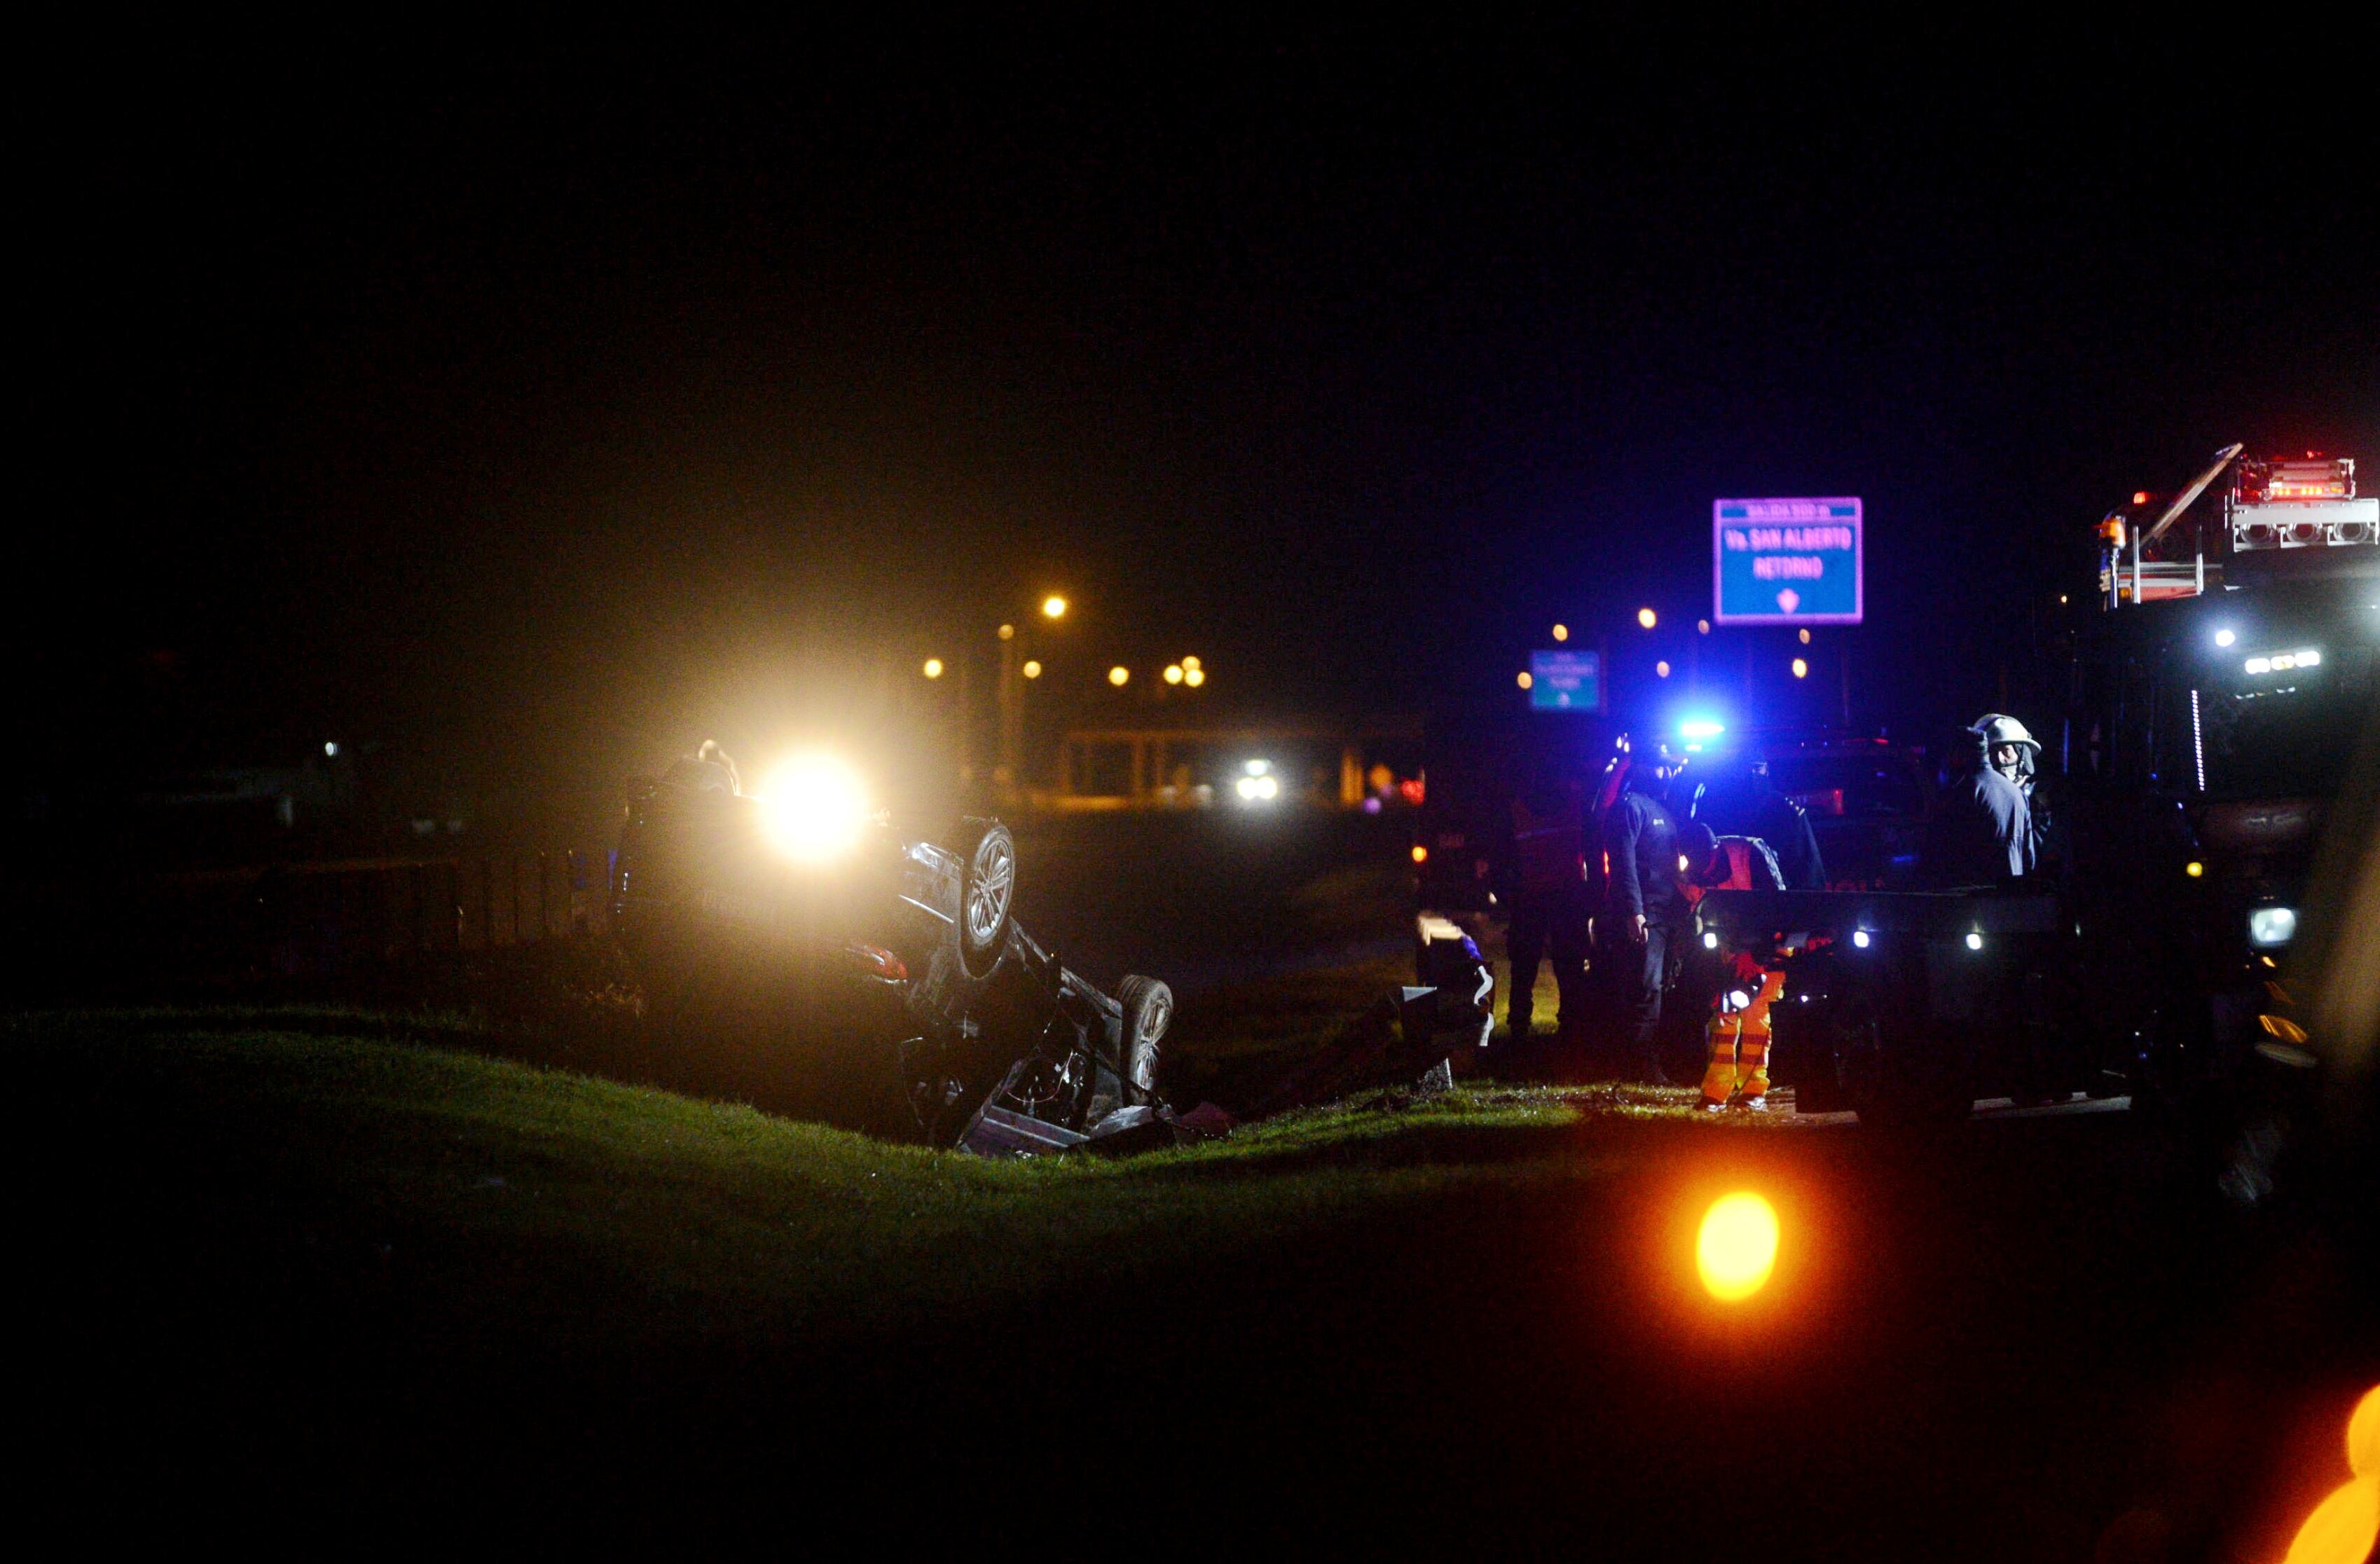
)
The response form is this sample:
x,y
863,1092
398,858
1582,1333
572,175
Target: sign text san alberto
x,y
1787,562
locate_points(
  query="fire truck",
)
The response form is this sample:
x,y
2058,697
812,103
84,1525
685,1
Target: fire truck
x,y
2209,706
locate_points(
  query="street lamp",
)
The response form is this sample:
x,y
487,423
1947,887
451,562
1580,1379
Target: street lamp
x,y
1800,668
1561,632
1173,672
1648,618
933,669
1118,675
1005,774
1194,677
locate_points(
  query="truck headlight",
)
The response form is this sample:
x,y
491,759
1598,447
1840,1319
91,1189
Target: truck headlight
x,y
2272,925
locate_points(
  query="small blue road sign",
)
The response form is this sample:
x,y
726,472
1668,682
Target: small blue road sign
x,y
1787,562
1565,681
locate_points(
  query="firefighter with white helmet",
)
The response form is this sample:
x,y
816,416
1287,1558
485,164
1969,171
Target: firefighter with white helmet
x,y
2009,749
1984,832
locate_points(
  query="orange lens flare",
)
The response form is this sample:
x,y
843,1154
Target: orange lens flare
x,y
2343,1527
1736,1249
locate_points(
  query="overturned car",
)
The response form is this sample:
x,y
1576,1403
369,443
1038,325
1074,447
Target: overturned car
x,y
740,914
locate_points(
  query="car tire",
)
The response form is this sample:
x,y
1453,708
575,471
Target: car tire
x,y
1147,1012
986,854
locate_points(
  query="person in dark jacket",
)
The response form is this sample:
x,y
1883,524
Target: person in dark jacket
x,y
1982,833
1546,903
1643,908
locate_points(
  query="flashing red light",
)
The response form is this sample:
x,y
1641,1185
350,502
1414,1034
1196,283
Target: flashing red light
x,y
2140,496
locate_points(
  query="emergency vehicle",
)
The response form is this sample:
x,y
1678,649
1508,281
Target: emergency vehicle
x,y
2198,721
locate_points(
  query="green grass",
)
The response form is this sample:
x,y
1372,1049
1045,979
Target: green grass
x,y
370,1151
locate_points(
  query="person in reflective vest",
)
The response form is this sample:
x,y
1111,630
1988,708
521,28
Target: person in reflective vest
x,y
1738,1033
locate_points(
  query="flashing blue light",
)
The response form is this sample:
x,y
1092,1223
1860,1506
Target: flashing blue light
x,y
1701,728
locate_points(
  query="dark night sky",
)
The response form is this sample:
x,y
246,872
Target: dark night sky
x,y
493,403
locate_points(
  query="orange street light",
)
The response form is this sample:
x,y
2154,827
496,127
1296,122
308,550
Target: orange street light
x,y
1561,632
1053,607
1648,618
1118,674
1194,677
1525,680
1032,670
1173,673
933,668
1800,668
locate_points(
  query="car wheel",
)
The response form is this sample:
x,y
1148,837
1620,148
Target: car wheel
x,y
987,853
1147,1011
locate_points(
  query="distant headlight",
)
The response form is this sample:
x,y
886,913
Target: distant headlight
x,y
2272,925
814,807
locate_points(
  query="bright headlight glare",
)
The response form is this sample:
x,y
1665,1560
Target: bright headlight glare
x,y
2272,925
1710,940
1860,937
814,807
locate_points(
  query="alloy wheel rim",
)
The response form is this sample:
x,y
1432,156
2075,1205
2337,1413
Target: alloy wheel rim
x,y
995,872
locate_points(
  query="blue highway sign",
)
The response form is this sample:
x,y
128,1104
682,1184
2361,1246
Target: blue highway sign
x,y
1787,562
1565,681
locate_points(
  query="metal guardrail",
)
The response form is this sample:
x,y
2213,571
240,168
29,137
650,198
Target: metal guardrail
x,y
84,927
311,916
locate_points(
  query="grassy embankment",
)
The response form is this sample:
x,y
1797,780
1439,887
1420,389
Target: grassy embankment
x,y
240,1143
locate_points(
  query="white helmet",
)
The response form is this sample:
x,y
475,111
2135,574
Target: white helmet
x,y
1994,730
